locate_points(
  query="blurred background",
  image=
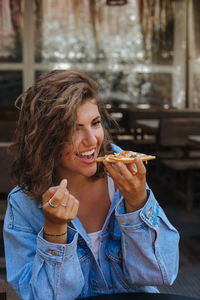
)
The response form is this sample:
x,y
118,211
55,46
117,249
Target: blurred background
x,y
145,57
141,52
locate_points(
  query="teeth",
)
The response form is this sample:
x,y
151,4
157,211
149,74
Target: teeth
x,y
88,153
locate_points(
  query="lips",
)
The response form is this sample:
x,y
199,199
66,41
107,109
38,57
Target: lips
x,y
87,156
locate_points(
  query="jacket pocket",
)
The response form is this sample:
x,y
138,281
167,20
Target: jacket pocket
x,y
114,258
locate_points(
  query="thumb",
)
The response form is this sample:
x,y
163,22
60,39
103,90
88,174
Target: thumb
x,y
63,183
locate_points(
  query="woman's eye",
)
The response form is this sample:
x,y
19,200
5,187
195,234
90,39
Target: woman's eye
x,y
97,123
78,128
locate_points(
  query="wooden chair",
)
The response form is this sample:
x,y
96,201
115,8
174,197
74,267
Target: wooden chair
x,y
121,135
5,162
174,134
6,133
7,129
2,289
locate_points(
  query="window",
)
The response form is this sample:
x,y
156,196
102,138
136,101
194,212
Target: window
x,y
194,54
136,52
11,61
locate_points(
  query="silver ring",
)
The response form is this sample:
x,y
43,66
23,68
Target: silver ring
x,y
52,205
62,204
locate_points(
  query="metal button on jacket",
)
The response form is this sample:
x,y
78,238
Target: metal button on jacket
x,y
148,213
53,252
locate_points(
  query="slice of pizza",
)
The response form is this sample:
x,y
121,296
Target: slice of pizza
x,y
127,157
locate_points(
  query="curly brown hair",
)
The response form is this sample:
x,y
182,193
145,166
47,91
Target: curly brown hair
x,y
47,122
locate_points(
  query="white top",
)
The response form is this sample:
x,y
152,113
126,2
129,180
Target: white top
x,y
95,236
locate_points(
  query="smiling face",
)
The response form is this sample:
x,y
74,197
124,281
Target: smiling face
x,y
77,158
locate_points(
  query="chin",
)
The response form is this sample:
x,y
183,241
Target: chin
x,y
90,173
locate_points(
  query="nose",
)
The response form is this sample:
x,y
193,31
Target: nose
x,y
89,137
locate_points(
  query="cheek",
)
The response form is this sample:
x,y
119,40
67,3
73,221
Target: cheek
x,y
66,152
67,160
101,136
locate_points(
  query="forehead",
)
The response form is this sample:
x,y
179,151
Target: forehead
x,y
87,109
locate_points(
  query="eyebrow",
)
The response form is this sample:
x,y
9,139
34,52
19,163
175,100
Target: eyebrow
x,y
95,119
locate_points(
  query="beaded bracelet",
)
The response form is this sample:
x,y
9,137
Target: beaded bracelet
x,y
48,234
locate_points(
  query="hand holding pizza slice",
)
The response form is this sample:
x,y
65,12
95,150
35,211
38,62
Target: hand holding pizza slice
x,y
131,183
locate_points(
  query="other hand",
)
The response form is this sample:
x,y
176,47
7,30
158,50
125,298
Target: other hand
x,y
65,210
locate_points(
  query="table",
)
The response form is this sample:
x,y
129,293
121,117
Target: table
x,y
140,296
149,126
194,140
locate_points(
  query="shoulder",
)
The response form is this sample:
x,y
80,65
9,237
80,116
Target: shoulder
x,y
116,148
24,211
19,197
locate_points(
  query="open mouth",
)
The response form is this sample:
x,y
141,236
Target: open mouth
x,y
87,156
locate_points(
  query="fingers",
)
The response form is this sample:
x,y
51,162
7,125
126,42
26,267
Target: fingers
x,y
64,205
113,171
65,198
55,191
60,193
132,168
119,171
135,168
72,207
57,195
141,170
67,211
49,194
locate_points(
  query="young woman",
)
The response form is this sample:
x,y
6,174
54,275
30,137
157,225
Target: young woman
x,y
75,228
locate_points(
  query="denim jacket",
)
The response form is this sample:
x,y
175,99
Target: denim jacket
x,y
138,251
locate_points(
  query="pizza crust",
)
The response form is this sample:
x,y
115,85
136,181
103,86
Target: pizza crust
x,y
127,157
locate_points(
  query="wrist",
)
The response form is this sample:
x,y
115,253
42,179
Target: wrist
x,y
55,233
52,234
131,207
54,229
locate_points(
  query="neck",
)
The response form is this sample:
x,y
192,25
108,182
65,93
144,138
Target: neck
x,y
79,183
75,181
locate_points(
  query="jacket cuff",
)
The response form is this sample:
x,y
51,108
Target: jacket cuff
x,y
57,252
147,214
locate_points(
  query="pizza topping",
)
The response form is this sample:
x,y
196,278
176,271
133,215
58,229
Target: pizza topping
x,y
133,155
126,157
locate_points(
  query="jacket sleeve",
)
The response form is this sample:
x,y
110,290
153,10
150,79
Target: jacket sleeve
x,y
36,268
149,244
